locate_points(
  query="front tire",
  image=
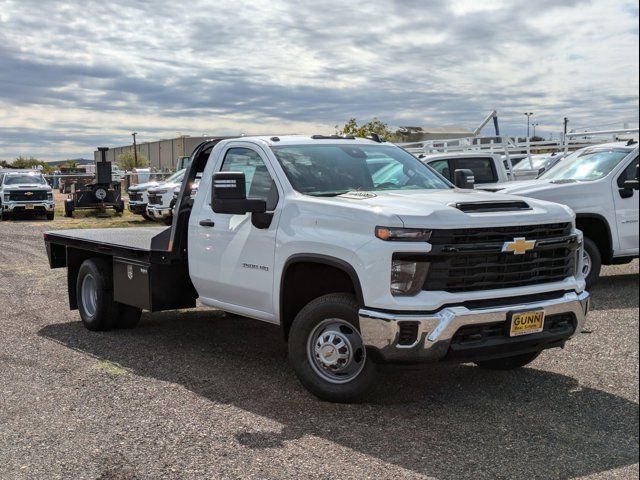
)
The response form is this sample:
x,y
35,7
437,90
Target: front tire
x,y
51,216
509,363
592,262
326,350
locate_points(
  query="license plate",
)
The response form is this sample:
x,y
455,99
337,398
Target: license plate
x,y
29,207
526,323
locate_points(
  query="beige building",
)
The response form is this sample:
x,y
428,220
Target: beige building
x,y
162,154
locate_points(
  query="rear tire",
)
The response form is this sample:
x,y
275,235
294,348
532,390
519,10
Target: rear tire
x,y
509,363
128,316
68,209
326,330
94,292
593,256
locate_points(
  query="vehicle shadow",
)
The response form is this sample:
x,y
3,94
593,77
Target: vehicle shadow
x,y
443,421
616,292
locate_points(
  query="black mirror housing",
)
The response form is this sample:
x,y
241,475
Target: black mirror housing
x,y
632,185
464,178
229,195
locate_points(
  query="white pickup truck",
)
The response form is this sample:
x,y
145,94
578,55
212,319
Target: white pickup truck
x,y
302,233
25,192
160,198
600,185
489,169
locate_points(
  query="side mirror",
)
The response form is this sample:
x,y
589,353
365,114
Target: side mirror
x,y
633,184
464,178
229,195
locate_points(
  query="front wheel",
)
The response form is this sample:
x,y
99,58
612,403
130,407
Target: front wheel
x,y
327,351
509,363
591,262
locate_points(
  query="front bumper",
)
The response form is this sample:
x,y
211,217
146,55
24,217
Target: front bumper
x,y
137,208
381,331
26,207
159,213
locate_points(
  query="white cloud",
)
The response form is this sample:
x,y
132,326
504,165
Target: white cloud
x,y
75,73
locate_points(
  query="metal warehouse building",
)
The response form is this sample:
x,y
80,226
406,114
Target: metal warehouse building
x,y
162,154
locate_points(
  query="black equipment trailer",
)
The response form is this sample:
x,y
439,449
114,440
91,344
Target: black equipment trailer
x,y
101,194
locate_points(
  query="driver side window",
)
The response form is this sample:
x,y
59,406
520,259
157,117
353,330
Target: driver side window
x,y
259,183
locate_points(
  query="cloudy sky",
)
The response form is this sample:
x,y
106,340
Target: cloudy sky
x,y
74,75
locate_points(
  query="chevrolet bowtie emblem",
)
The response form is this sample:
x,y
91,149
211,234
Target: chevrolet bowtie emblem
x,y
519,246
29,193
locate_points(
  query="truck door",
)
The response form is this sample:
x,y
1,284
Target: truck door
x,y
230,260
627,214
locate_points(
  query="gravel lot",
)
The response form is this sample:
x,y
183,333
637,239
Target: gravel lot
x,y
196,394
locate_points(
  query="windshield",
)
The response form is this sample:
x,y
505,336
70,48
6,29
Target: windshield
x,y
586,166
176,177
536,163
24,179
329,170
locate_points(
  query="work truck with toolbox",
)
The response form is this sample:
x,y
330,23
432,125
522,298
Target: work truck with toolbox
x,y
355,268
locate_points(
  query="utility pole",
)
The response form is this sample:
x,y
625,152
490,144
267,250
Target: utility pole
x,y
566,122
534,125
135,150
528,114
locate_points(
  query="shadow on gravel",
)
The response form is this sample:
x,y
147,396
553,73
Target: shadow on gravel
x,y
615,292
443,421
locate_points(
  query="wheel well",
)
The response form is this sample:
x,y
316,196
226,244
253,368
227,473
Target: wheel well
x,y
304,281
597,229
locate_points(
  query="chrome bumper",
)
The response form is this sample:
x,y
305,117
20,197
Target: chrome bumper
x,y
49,206
159,213
381,330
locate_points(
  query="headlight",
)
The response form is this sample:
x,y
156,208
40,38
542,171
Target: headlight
x,y
5,197
50,196
407,276
159,192
403,234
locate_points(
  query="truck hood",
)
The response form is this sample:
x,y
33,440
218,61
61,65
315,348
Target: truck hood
x,y
34,186
142,186
164,186
437,208
579,195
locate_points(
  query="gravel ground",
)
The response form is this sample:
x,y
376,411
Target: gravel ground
x,y
197,394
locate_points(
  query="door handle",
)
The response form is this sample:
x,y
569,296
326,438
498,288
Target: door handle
x,y
207,223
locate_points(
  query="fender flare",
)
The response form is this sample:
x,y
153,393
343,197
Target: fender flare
x,y
597,216
323,260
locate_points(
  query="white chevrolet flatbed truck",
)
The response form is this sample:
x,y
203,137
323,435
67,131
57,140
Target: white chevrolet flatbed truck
x,y
300,232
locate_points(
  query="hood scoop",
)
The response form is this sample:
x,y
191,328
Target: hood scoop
x,y
492,206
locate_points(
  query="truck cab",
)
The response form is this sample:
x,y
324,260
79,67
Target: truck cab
x,y
25,192
597,184
356,267
487,168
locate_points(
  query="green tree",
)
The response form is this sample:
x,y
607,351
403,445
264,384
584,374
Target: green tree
x,y
70,164
127,161
24,162
374,126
